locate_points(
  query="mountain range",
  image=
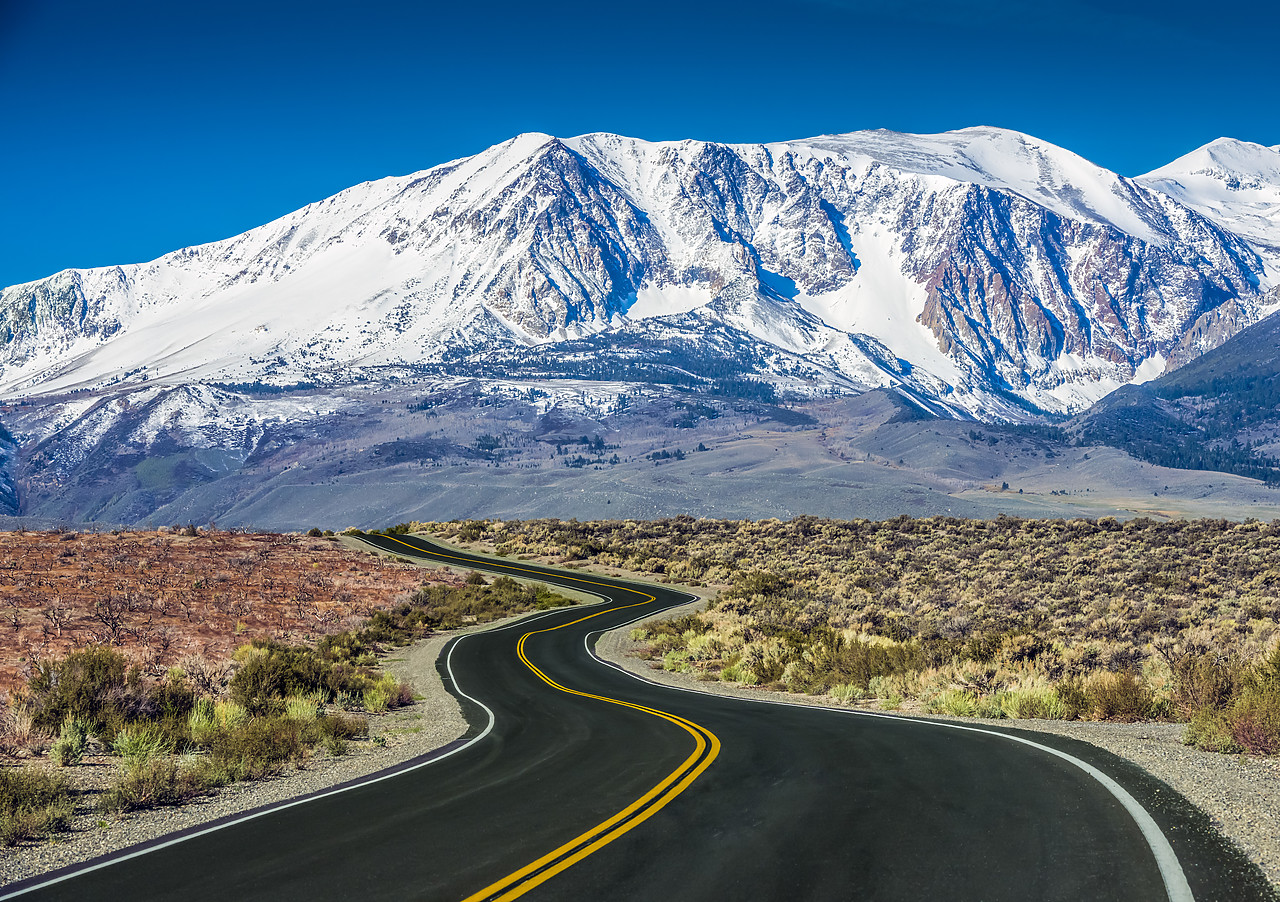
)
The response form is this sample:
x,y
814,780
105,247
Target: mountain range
x,y
982,271
981,274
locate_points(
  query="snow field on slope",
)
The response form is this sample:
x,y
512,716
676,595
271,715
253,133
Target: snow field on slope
x,y
883,303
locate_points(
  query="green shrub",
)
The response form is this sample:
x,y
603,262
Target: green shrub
x,y
69,747
963,703
209,720
676,660
94,684
144,784
173,698
141,744
304,708
270,671
956,702
33,804
202,722
1041,703
848,693
376,699
1208,730
259,747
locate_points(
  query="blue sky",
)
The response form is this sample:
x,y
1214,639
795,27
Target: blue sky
x,y
131,129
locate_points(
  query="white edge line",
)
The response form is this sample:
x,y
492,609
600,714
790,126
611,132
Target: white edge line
x,y
79,872
1175,880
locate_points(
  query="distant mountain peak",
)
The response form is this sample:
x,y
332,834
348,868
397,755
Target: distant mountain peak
x,y
1232,182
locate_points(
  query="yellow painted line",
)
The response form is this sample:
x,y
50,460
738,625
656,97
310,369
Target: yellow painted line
x,y
706,748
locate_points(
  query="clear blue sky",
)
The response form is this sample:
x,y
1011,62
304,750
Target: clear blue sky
x,y
130,129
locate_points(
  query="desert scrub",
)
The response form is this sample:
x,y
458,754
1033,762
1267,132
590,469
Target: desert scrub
x,y
140,744
962,703
1033,702
1048,618
155,779
95,686
1118,585
1234,705
73,739
33,804
848,693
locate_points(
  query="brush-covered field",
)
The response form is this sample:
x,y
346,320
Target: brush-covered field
x,y
150,669
1072,619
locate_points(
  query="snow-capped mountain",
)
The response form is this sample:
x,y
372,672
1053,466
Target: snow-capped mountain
x,y
1234,183
981,271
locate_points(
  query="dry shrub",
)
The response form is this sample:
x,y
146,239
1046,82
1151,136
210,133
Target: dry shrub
x,y
1254,721
33,804
1119,696
1204,680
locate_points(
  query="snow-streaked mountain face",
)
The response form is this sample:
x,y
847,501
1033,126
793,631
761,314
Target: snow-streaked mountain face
x,y
981,271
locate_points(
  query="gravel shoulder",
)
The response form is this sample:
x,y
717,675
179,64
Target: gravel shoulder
x,y
1240,794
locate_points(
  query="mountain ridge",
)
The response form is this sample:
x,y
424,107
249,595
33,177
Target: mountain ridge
x,y
992,274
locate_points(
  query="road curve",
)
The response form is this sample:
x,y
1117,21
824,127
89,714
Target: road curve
x,y
579,782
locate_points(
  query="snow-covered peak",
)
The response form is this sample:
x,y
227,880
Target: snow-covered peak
x,y
1234,183
1003,159
1225,155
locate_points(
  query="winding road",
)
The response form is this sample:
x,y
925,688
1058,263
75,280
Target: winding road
x,y
579,781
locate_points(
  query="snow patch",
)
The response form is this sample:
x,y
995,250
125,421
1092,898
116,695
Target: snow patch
x,y
1151,368
666,300
881,301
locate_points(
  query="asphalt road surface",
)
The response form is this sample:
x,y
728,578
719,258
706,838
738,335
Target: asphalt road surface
x,y
580,782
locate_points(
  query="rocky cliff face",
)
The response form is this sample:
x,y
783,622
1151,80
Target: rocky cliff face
x,y
8,467
982,271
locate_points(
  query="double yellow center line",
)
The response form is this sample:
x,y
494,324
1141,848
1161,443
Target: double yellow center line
x,y
706,748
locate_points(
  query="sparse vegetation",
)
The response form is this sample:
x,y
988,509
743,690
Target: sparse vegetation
x,y
1102,619
162,597
33,804
188,730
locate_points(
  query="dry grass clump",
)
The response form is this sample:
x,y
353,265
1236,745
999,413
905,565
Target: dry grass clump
x,y
1096,619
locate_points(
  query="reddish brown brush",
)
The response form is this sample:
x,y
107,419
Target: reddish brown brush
x,y
161,597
